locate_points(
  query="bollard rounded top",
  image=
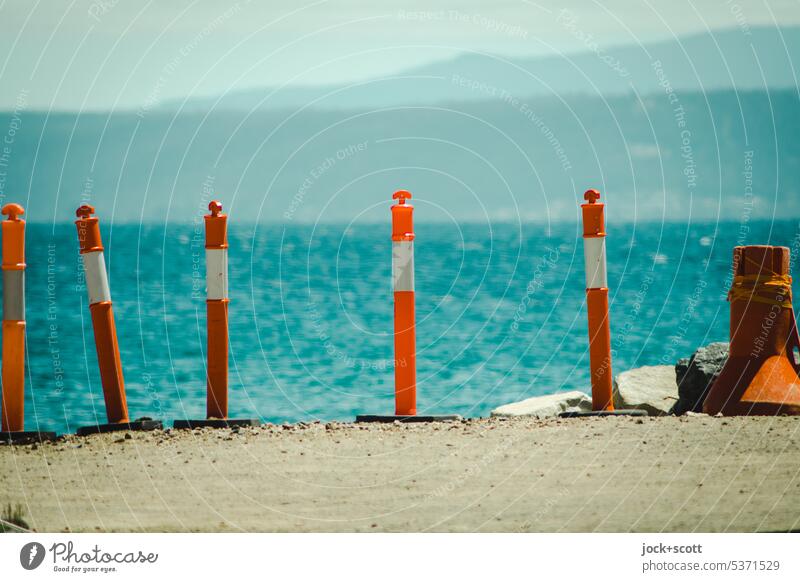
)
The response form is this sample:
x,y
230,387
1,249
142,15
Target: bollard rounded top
x,y
215,206
88,230
594,222
401,195
13,211
84,211
216,226
591,196
402,217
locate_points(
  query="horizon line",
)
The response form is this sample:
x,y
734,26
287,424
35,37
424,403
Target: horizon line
x,y
555,221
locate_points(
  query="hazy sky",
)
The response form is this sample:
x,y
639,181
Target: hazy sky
x,y
123,53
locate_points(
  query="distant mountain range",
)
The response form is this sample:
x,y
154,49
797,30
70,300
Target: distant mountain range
x,y
658,129
750,59
687,157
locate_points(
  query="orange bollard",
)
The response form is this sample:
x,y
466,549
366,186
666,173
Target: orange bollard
x,y
217,302
12,406
760,376
13,374
105,332
405,343
217,311
594,251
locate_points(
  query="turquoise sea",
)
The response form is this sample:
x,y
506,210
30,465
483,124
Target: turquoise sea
x,y
500,314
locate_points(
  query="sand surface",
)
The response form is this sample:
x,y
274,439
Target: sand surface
x,y
607,474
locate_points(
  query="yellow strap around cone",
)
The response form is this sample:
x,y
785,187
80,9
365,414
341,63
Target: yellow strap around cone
x,y
770,289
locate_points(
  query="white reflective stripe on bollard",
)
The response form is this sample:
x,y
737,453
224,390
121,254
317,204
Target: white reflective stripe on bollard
x,y
14,295
403,265
96,278
594,252
216,274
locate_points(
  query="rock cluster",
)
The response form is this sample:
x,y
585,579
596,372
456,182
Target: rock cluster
x,y
649,388
696,374
658,390
547,406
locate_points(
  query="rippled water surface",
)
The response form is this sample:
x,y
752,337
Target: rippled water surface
x,y
500,314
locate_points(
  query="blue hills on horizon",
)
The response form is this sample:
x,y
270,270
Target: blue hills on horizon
x,y
665,152
757,58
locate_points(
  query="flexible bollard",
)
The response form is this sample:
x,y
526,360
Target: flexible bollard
x,y
405,344
761,375
405,340
12,410
105,332
217,302
594,252
217,311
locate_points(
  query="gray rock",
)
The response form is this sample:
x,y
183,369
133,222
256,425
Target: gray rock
x,y
650,388
696,374
547,406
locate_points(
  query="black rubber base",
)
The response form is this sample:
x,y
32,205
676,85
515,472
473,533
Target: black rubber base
x,y
415,418
23,437
138,424
625,412
216,423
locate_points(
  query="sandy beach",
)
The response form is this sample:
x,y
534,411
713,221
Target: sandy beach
x,y
692,473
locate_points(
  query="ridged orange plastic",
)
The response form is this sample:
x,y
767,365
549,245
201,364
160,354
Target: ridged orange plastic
x,y
594,221
13,238
402,217
88,230
216,227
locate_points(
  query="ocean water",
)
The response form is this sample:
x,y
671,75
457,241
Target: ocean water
x,y
500,314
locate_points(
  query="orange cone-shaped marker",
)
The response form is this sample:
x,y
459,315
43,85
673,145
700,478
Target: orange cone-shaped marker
x,y
594,249
12,405
105,332
217,302
405,342
760,376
